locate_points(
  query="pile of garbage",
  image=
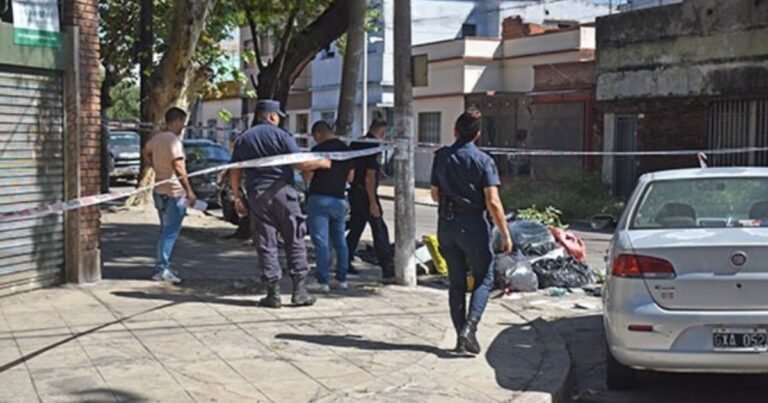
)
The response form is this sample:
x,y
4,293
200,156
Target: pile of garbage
x,y
543,257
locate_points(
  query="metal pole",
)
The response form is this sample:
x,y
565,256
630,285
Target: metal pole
x,y
365,81
405,212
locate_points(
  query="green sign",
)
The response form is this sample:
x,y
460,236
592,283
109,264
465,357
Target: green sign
x,y
36,23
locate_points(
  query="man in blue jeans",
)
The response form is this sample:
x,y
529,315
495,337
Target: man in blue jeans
x,y
165,153
327,207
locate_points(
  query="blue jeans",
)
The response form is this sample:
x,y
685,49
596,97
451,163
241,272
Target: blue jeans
x,y
466,240
326,218
171,211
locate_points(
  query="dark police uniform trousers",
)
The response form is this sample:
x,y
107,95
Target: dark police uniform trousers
x,y
276,211
465,243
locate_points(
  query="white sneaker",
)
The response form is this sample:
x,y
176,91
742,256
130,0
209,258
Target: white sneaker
x,y
344,285
325,288
167,276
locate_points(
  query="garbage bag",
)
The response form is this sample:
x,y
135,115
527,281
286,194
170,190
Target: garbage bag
x,y
514,272
530,237
564,272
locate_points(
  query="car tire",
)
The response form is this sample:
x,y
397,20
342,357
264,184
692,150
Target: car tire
x,y
617,375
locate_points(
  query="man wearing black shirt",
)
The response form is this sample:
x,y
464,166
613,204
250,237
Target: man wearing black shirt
x,y
327,208
365,205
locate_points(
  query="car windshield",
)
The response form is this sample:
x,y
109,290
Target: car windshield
x,y
124,140
703,203
198,153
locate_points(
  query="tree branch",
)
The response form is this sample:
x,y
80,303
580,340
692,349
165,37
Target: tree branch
x,y
284,42
254,34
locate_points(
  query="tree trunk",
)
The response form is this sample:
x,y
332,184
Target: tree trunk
x,y
177,78
351,72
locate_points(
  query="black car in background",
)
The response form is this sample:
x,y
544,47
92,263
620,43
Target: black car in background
x,y
124,155
203,154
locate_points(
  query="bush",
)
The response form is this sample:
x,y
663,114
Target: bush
x,y
577,197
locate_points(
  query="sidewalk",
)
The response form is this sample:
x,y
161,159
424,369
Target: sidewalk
x,y
423,196
128,339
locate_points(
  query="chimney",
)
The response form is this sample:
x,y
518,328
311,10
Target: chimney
x,y
514,27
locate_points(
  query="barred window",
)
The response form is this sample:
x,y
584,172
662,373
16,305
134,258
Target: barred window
x,y
429,127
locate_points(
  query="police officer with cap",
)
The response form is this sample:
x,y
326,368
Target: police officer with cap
x,y
465,184
273,203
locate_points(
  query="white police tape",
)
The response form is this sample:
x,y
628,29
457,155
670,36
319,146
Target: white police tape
x,y
277,160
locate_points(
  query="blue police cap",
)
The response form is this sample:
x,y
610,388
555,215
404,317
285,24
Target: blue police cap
x,y
269,105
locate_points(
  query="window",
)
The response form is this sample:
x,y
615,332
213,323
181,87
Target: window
x,y
468,30
429,127
302,123
328,53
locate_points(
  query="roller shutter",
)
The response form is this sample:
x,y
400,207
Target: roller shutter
x,y
31,172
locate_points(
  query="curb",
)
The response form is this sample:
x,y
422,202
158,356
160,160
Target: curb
x,y
553,382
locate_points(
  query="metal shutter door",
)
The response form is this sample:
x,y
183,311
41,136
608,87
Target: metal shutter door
x,y
31,172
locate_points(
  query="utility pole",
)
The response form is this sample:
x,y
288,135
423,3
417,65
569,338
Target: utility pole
x,y
405,210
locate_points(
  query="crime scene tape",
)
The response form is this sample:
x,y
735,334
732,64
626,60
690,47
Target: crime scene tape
x,y
276,160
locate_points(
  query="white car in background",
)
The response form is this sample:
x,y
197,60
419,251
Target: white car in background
x,y
687,284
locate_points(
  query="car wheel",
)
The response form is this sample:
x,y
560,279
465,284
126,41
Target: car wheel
x,y
617,375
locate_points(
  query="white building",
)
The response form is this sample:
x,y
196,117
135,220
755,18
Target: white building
x,y
631,5
432,21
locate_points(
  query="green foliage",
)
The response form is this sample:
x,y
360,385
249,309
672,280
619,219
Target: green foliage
x,y
125,102
577,197
373,24
550,216
225,115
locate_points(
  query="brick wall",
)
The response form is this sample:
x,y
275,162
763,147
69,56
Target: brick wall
x,y
514,27
667,124
85,15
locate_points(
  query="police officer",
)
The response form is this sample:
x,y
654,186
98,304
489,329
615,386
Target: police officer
x,y
273,203
465,183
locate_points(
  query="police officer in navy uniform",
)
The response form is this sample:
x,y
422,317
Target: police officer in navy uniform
x,y
273,203
465,184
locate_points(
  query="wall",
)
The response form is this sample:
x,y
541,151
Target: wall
x,y
84,14
210,109
450,108
557,126
701,47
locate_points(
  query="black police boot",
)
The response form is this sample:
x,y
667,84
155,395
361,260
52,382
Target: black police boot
x,y
301,296
468,336
272,300
461,348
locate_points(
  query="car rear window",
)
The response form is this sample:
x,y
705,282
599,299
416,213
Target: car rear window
x,y
703,203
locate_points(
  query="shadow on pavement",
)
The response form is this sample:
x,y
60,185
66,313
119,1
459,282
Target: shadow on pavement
x,y
357,342
108,395
586,343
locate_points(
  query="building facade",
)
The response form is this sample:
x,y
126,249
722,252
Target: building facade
x,y
50,128
433,21
684,76
534,86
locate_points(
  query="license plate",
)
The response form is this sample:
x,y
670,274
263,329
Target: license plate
x,y
746,340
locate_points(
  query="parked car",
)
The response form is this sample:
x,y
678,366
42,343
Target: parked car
x,y
124,155
687,284
203,154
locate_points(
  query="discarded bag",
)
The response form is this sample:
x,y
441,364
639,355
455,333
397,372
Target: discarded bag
x,y
434,249
571,242
514,273
530,237
566,272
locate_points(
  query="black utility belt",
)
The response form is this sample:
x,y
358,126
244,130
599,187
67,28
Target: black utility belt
x,y
450,209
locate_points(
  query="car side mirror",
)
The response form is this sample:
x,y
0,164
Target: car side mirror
x,y
602,222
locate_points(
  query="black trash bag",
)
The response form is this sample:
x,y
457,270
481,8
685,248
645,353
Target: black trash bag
x,y
531,238
563,272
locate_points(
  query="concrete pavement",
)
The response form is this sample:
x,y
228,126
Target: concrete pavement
x,y
128,339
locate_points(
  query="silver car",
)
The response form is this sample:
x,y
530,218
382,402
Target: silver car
x,y
687,284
